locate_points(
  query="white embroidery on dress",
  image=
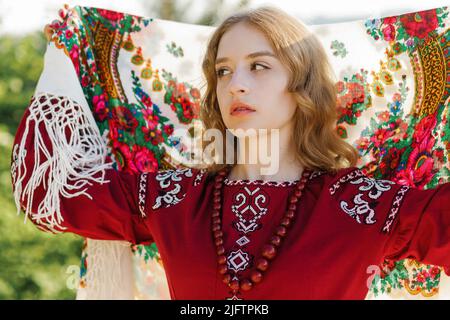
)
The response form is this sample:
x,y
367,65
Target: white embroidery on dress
x,y
228,182
394,208
15,161
142,193
376,187
166,178
360,209
349,176
198,177
252,202
238,260
316,173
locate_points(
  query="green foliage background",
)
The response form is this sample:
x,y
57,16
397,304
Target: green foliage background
x,y
33,264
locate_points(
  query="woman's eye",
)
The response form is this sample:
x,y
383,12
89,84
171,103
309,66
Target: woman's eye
x,y
219,72
254,66
260,65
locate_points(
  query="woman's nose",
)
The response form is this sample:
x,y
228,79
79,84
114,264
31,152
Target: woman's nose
x,y
238,83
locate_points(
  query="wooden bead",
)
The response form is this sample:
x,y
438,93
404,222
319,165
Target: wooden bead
x,y
223,269
275,240
246,285
262,264
269,251
218,234
219,242
216,213
290,214
293,200
216,227
256,276
285,222
220,250
298,193
281,231
222,259
226,278
234,285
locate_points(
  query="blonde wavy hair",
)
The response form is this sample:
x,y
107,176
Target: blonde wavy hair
x,y
312,82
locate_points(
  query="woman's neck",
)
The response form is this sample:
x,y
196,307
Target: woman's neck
x,y
282,150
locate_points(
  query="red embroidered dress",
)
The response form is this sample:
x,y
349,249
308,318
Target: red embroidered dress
x,y
345,223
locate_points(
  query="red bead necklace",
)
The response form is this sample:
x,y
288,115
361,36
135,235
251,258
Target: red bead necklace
x,y
269,250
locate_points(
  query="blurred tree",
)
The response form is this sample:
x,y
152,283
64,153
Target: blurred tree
x,y
175,10
33,264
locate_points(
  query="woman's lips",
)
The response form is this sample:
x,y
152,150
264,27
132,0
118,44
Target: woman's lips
x,y
241,111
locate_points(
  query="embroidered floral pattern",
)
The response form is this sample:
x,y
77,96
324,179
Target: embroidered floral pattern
x,y
167,179
362,211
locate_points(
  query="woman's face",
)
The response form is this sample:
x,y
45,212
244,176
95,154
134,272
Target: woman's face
x,y
249,72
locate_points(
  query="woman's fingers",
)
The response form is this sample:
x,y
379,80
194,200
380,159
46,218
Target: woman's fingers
x,y
48,31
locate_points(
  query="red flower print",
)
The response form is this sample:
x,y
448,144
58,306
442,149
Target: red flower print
x,y
435,271
168,129
124,118
423,129
69,34
110,15
380,136
144,159
124,157
362,143
100,108
340,86
420,24
389,33
418,171
384,116
389,20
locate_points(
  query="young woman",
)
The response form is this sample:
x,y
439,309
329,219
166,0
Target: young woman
x,y
312,229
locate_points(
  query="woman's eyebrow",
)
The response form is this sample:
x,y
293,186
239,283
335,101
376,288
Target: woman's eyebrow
x,y
250,56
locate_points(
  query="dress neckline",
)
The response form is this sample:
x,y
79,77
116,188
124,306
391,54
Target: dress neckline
x,y
271,183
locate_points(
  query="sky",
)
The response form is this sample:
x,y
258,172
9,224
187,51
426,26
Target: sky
x,y
22,16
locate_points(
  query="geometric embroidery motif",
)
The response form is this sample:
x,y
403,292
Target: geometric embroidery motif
x,y
249,206
142,193
237,260
394,209
242,241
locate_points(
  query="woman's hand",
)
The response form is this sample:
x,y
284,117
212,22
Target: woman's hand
x,y
48,31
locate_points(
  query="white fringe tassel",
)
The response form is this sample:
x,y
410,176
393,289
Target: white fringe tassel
x,y
75,160
109,271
